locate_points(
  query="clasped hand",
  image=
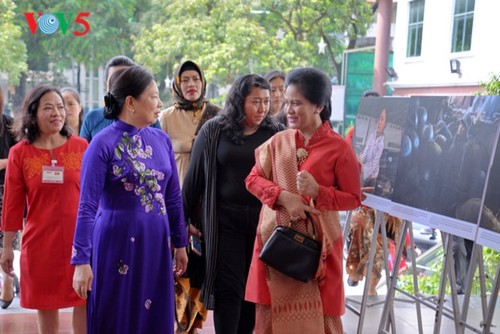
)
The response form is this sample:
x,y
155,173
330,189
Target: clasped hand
x,y
307,185
295,204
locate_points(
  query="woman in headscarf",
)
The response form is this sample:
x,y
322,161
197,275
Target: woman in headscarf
x,y
182,122
190,111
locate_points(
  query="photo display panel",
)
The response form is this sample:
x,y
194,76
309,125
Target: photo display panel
x,y
377,142
430,161
489,219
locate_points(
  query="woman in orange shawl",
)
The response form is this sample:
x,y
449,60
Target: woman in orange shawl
x,y
308,168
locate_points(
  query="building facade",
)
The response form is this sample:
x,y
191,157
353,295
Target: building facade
x,y
444,47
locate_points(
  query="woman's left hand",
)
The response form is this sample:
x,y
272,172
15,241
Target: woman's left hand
x,y
306,184
181,261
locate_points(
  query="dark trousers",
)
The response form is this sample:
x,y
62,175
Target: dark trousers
x,y
237,227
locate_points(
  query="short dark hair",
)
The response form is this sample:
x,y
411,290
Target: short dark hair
x,y
120,60
234,108
316,87
26,125
129,81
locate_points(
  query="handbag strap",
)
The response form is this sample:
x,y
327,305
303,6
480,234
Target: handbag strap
x,y
312,223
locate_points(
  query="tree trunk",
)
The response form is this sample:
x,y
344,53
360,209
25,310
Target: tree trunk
x,y
78,84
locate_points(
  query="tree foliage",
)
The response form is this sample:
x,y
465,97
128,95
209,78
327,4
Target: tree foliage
x,y
229,38
337,23
221,35
111,23
430,280
492,87
13,56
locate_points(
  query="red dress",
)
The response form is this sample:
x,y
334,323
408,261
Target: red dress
x,y
332,162
46,273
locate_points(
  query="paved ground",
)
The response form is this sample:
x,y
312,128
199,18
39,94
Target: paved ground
x,y
16,320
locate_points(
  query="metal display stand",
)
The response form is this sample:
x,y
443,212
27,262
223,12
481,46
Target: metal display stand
x,y
448,273
487,309
456,313
364,304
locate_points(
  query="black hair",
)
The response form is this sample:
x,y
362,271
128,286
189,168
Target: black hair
x,y
234,108
120,60
76,95
26,125
316,87
273,74
370,93
128,81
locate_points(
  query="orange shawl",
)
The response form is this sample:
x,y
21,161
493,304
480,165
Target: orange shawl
x,y
296,306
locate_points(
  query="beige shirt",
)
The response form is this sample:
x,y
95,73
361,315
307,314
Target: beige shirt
x,y
181,126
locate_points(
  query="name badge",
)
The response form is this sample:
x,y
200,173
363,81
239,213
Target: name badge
x,y
52,174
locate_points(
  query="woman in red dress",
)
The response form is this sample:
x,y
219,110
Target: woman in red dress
x,y
43,174
306,169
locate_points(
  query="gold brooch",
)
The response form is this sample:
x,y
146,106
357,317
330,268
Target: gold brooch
x,y
301,155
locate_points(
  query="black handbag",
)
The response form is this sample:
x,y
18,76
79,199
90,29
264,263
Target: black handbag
x,y
292,253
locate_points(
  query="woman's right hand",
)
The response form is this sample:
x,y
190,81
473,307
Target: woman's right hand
x,y
7,261
82,280
295,205
366,190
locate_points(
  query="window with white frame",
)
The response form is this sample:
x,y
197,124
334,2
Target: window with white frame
x,y
463,20
415,28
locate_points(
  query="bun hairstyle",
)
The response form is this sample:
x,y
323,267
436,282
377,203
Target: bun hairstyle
x,y
130,81
316,87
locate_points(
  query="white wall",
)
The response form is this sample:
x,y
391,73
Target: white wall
x,y
432,68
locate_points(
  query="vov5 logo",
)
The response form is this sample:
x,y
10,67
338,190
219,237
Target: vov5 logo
x,y
49,23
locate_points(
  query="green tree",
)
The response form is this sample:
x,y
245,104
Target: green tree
x,y
111,24
214,33
492,87
429,280
13,55
229,38
338,24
